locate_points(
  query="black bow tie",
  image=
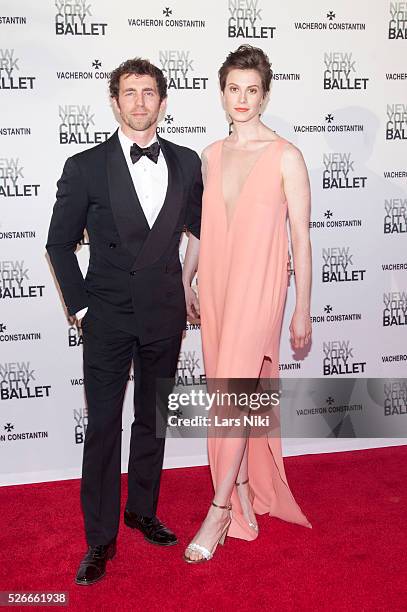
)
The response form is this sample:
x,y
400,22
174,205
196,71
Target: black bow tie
x,y
152,152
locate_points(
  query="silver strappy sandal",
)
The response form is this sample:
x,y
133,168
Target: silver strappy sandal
x,y
208,554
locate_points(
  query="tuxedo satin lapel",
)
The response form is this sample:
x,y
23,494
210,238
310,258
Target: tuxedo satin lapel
x,y
127,211
164,226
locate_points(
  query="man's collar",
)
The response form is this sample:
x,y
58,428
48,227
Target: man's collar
x,y
126,142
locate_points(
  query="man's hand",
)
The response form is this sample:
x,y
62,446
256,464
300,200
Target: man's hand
x,y
76,319
75,322
192,303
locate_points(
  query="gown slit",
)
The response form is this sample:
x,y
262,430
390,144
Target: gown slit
x,y
243,279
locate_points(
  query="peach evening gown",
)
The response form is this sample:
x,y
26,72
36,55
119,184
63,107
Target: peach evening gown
x,y
242,276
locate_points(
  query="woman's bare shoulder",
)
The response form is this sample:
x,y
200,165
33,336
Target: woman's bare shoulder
x,y
291,153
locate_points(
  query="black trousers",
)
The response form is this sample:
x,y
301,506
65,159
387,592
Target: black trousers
x,y
107,357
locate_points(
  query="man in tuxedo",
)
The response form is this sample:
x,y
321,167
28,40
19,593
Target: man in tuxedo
x,y
134,194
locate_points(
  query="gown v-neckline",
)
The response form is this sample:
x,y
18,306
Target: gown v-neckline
x,y
229,221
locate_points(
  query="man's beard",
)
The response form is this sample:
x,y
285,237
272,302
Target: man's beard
x,y
141,124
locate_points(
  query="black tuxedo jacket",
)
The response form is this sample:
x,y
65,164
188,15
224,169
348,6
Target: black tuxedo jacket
x,y
134,278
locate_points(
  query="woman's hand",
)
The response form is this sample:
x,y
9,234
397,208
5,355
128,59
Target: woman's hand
x,y
192,303
300,329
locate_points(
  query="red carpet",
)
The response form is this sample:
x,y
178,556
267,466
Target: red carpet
x,y
352,559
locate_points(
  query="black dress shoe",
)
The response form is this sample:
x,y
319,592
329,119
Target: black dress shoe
x,y
154,531
93,566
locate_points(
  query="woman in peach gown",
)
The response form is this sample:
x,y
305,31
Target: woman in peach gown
x,y
252,179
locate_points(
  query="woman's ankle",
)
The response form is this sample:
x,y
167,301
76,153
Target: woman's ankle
x,y
218,513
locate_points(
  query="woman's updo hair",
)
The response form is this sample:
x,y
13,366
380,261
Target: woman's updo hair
x,y
247,57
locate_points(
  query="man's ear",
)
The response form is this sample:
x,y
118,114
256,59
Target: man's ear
x,y
163,105
116,105
162,110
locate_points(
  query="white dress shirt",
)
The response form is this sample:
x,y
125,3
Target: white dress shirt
x,y
150,181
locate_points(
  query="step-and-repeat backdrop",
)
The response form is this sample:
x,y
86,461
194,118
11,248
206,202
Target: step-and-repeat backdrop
x,y
339,93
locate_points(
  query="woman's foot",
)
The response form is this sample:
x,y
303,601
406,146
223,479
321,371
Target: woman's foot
x,y
246,501
212,532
